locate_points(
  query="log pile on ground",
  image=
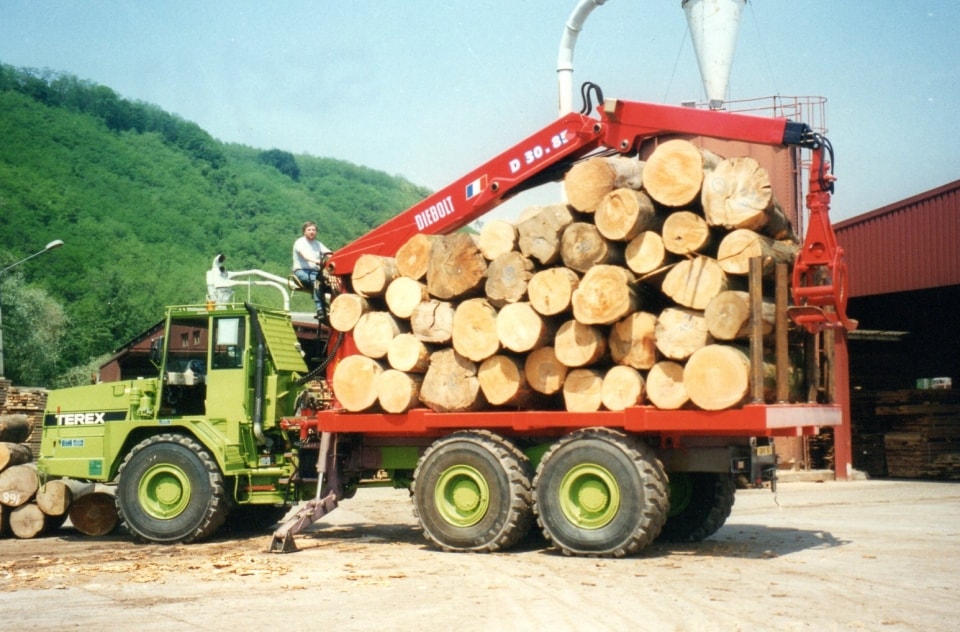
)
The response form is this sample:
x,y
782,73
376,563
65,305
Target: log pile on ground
x,y
631,293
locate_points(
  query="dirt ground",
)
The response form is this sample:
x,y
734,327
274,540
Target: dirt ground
x,y
860,555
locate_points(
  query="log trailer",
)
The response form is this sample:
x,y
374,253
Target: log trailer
x,y
236,429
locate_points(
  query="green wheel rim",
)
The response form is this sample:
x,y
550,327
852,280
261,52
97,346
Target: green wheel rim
x,y
462,496
164,491
589,496
681,493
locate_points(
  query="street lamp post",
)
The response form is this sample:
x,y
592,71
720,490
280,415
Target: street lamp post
x,y
56,243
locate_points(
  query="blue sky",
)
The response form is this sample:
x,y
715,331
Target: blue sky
x,y
429,89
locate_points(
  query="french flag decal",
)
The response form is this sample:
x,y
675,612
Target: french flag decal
x,y
476,187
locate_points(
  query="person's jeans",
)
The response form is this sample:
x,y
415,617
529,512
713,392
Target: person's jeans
x,y
309,279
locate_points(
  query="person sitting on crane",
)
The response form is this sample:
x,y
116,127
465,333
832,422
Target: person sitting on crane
x,y
308,259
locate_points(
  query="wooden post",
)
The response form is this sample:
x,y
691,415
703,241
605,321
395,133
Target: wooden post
x,y
756,329
782,352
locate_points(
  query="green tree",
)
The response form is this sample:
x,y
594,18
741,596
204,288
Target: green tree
x,y
34,327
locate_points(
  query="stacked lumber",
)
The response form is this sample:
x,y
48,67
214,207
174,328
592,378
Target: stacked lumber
x,y
631,293
15,400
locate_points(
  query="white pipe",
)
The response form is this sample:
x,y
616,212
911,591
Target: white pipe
x,y
565,58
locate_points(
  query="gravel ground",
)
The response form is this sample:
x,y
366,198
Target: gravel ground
x,y
859,555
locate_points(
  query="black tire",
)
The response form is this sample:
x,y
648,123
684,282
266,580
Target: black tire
x,y
170,490
700,502
471,492
244,519
600,492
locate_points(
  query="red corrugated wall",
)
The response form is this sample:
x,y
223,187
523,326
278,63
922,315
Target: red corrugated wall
x,y
913,244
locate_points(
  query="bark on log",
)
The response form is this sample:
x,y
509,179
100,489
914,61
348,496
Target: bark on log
x,y
475,330
432,321
622,387
739,246
15,428
18,484
694,282
577,344
520,328
373,333
685,233
665,388
503,382
14,454
408,353
583,391
27,521
94,514
398,392
55,496
624,213
346,310
451,384
778,224
456,268
403,295
605,295
680,332
507,278
372,274
673,174
497,237
539,235
717,377
646,253
588,182
355,382
413,257
544,372
632,341
728,315
736,194
582,247
550,291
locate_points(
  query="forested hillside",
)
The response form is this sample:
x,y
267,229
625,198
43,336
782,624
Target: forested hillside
x,y
143,201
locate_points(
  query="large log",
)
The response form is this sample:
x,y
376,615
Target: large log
x,y
738,247
577,344
728,315
583,390
403,295
497,237
622,387
604,295
680,332
539,235
374,331
632,340
432,321
624,213
520,328
456,268
717,376
413,257
475,329
15,428
408,353
544,372
18,484
589,181
507,278
55,496
694,282
14,454
451,384
583,247
94,514
503,382
673,174
736,194
665,388
346,310
398,392
355,382
685,233
550,291
372,274
646,253
27,521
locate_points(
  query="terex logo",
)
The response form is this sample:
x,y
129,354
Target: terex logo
x,y
80,419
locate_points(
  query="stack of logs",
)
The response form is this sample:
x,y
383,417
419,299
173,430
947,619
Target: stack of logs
x,y
29,509
632,292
